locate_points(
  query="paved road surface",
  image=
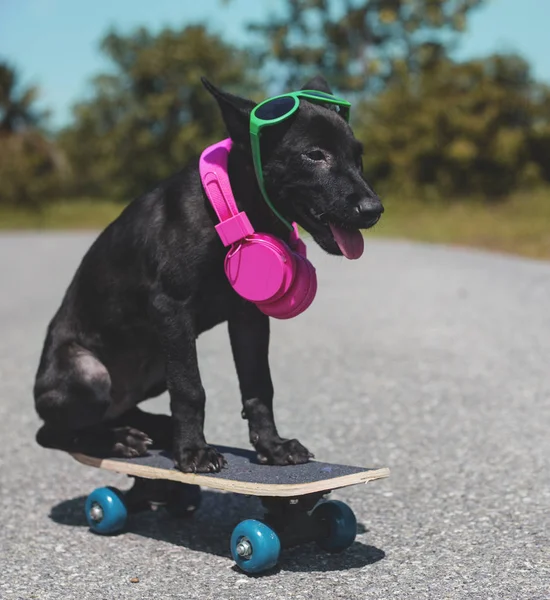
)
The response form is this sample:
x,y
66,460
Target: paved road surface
x,y
432,361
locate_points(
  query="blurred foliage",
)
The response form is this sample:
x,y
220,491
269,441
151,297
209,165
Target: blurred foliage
x,y
432,127
32,168
151,114
477,128
360,44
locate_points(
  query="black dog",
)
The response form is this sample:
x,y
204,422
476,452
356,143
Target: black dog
x,y
153,281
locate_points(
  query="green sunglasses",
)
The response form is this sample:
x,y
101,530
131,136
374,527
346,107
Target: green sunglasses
x,y
277,109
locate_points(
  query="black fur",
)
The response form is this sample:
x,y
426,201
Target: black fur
x,y
153,281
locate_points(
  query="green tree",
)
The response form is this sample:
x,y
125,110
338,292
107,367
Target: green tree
x,y
475,128
151,113
32,169
17,104
359,44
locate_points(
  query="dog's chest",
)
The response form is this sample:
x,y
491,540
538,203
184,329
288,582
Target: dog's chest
x,y
214,303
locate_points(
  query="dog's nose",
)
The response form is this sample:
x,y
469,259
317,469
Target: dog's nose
x,y
369,208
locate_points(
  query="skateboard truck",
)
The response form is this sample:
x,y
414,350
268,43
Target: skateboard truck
x,y
180,500
291,520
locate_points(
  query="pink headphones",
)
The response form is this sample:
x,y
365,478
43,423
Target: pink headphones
x,y
261,268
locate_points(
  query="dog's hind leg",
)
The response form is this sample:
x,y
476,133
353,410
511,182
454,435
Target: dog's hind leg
x,y
159,427
73,395
100,440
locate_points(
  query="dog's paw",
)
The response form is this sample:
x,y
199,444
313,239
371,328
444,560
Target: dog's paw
x,y
129,442
285,452
204,459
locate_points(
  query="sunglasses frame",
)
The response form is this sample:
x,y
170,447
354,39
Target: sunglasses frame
x,y
257,124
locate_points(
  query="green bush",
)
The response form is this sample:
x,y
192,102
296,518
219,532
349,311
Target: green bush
x,y
479,128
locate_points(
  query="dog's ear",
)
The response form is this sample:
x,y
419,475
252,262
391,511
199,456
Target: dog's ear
x,y
235,112
319,84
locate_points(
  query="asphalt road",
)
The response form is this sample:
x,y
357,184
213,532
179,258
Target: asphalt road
x,y
432,361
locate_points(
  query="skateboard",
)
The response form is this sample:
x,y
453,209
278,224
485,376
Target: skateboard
x,y
293,496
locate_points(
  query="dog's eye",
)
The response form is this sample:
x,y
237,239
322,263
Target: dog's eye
x,y
316,155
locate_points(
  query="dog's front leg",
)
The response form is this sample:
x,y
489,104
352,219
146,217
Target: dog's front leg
x,y
249,335
187,397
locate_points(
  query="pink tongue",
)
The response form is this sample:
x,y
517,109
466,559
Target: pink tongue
x,y
350,242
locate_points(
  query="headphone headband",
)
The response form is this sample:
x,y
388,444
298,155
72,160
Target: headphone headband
x,y
234,225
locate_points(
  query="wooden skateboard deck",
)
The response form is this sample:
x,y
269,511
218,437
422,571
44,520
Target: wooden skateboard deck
x,y
244,474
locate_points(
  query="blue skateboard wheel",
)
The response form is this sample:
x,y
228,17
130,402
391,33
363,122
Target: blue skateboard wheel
x,y
255,547
106,512
342,525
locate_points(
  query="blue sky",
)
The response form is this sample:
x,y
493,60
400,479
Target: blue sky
x,y
55,42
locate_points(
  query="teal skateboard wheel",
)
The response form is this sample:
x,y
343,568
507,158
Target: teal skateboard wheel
x,y
255,547
106,511
341,522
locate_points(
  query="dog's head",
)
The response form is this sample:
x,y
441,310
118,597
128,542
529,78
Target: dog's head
x,y
312,169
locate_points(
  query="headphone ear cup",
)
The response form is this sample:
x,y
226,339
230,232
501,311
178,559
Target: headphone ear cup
x,y
261,268
299,296
312,291
309,296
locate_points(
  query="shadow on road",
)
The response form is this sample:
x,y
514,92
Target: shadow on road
x,y
209,531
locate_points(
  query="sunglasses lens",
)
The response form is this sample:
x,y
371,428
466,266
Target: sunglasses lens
x,y
275,108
